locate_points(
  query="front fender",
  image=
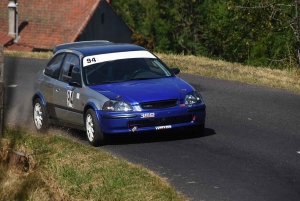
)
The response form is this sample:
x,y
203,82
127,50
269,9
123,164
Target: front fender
x,y
93,106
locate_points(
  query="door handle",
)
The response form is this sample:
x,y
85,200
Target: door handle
x,y
57,90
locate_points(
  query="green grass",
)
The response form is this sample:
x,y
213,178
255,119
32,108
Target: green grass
x,y
62,169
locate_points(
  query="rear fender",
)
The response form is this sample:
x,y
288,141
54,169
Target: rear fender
x,y
40,96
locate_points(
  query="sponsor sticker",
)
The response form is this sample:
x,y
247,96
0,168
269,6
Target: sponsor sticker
x,y
163,127
148,115
70,98
134,129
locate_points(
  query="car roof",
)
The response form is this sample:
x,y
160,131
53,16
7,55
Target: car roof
x,y
80,44
97,47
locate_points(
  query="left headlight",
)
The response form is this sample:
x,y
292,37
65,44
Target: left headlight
x,y
192,98
116,106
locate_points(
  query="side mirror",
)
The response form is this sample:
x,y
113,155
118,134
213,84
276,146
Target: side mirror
x,y
175,71
74,84
75,81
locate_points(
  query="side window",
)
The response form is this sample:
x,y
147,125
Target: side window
x,y
53,67
70,69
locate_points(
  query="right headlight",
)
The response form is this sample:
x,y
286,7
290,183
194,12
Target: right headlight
x,y
192,98
116,106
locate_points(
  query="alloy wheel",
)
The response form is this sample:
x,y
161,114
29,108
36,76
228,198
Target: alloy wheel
x,y
38,116
90,127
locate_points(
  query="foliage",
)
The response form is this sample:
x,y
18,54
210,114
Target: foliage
x,y
258,32
140,15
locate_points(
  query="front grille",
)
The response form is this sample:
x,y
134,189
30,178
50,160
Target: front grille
x,y
159,104
160,121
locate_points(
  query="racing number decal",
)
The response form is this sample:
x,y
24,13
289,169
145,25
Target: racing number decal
x,y
89,60
70,98
92,60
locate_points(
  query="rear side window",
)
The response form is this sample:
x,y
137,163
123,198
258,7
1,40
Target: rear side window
x,y
54,66
70,68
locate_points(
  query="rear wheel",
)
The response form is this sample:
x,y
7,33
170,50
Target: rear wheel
x,y
40,116
93,131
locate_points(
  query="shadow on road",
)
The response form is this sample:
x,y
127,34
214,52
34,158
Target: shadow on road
x,y
138,138
160,136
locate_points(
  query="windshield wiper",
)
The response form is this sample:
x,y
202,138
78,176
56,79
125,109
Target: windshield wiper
x,y
140,78
105,82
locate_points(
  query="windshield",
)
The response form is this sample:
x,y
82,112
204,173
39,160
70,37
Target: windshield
x,y
124,70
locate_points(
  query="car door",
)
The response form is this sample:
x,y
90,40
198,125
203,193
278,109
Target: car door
x,y
51,72
67,97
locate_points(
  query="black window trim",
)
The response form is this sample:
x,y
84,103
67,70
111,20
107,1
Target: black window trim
x,y
61,70
49,63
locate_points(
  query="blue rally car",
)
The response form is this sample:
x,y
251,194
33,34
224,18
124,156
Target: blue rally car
x,y
106,88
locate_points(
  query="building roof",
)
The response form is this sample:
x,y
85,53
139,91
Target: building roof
x,y
5,39
43,24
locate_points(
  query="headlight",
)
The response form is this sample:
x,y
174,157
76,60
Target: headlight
x,y
193,98
116,106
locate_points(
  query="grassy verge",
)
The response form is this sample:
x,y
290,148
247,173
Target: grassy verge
x,y
37,55
288,79
57,168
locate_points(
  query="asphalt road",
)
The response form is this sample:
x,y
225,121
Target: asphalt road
x,y
250,149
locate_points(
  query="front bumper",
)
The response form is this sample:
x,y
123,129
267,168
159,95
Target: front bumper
x,y
151,120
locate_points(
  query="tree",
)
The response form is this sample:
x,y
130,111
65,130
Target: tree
x,y
257,32
280,28
184,22
139,15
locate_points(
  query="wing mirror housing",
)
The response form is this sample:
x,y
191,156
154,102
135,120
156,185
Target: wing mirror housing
x,y
175,71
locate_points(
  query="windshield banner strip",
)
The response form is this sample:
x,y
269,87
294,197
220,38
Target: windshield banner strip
x,y
89,60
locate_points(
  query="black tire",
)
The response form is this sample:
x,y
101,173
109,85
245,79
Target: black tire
x,y
195,130
94,133
40,116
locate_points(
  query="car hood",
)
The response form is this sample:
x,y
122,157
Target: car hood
x,y
145,90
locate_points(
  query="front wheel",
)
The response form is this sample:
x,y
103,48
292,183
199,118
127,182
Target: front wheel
x,y
93,131
40,117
